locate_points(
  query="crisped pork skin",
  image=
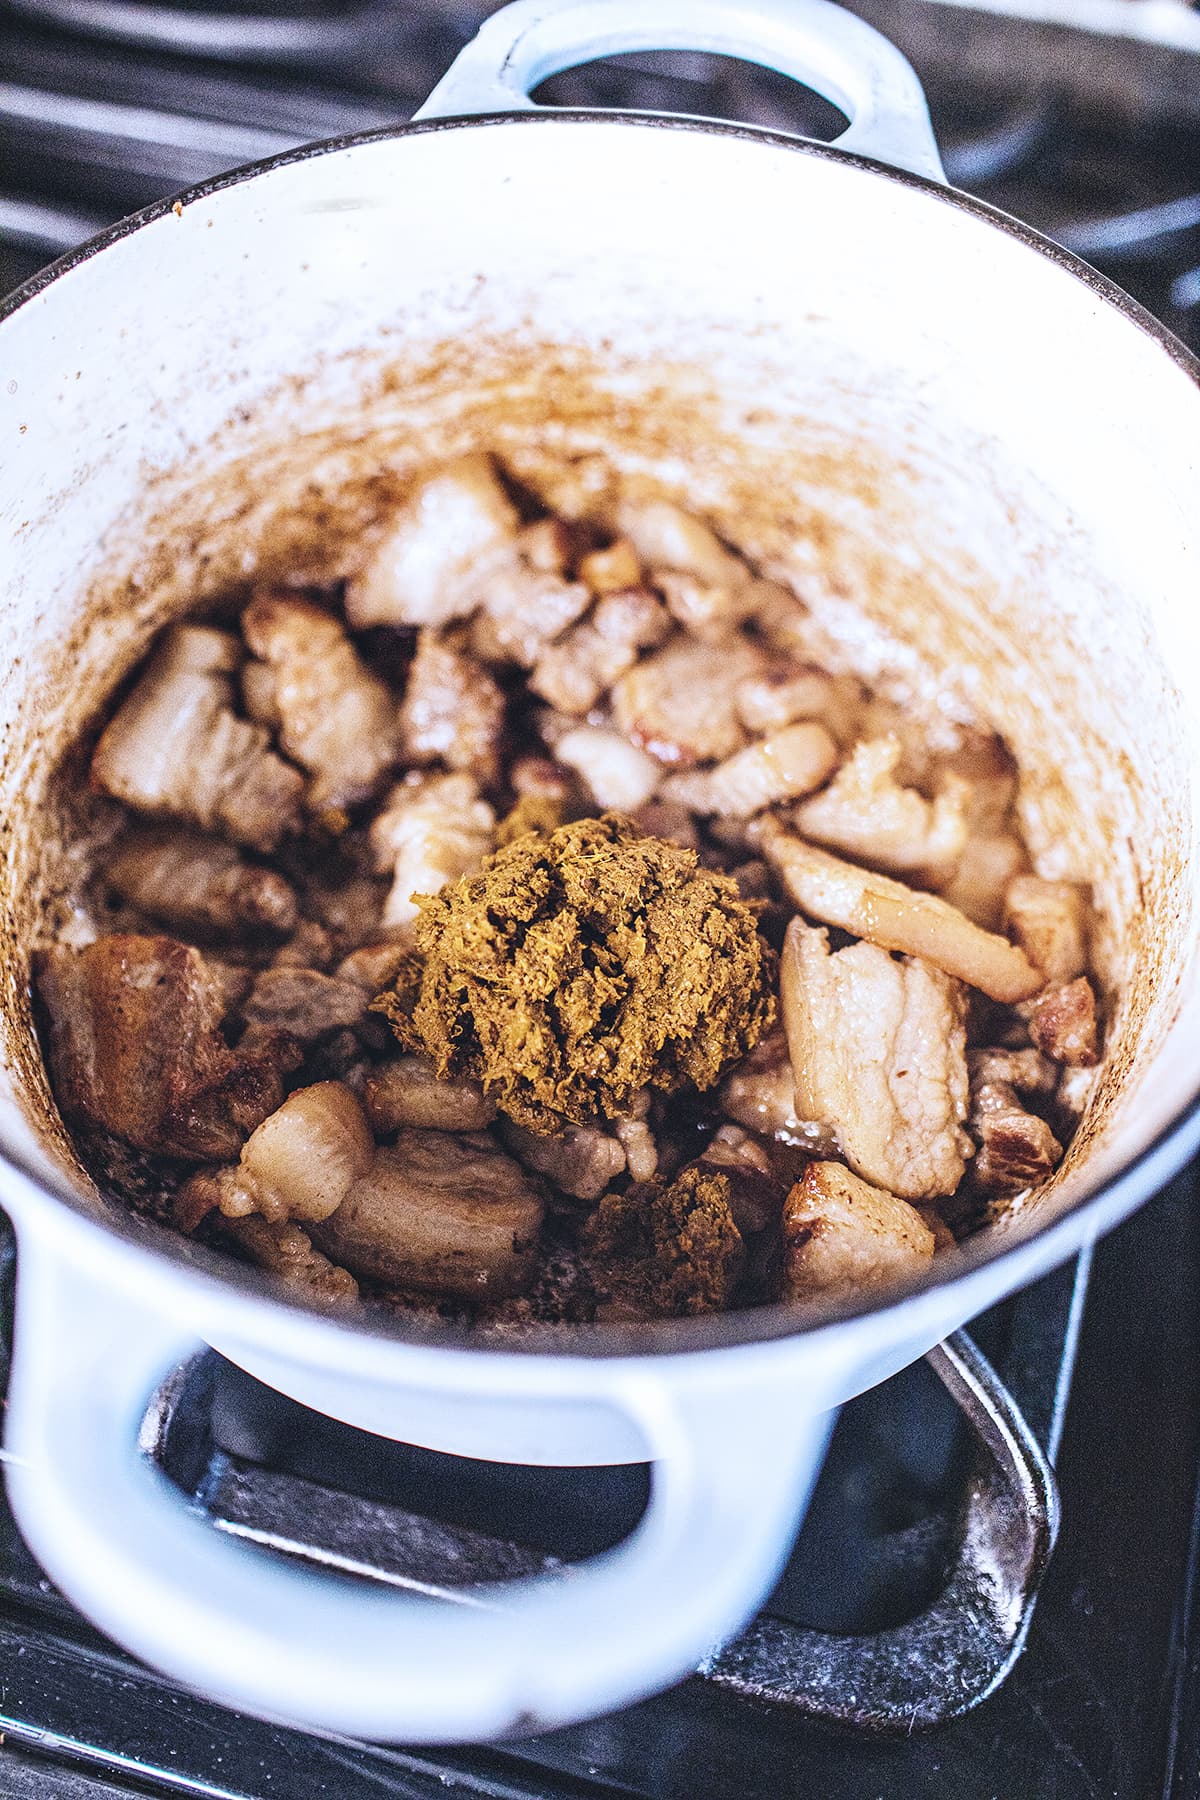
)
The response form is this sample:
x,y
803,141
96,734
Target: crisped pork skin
x,y
453,710
577,668
581,1160
136,1048
304,1003
406,1093
841,1235
454,525
679,702
865,812
1062,1023
439,1214
288,1252
433,829
887,913
788,762
175,746
878,1048
200,884
1050,920
1017,1149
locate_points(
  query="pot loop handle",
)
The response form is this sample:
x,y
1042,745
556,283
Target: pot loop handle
x,y
317,1650
815,42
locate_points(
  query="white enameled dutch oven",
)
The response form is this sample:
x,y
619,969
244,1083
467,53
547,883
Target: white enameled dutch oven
x,y
974,459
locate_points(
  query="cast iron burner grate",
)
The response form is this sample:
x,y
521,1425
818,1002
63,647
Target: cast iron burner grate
x,y
904,1603
912,1507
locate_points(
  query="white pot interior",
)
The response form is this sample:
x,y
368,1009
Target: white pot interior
x,y
974,469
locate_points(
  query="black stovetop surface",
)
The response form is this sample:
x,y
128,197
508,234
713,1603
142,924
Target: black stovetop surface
x,y
1105,1700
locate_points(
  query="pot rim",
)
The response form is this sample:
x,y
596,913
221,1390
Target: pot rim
x,y
981,1273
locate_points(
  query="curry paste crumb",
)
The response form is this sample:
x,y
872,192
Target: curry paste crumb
x,y
666,1251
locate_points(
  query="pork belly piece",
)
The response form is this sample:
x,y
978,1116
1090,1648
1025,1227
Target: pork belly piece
x,y
439,1214
663,536
878,1049
614,771
1051,920
176,747
710,611
259,696
523,609
790,762
304,1003
755,1191
573,672
539,778
679,702
1062,1023
887,913
289,1253
453,710
454,525
842,1235
310,946
433,829
135,1048
668,820
1027,1069
337,718
372,966
612,569
581,1160
635,1137
1075,1089
405,1092
298,1165
760,1094
1017,1149
865,812
986,764
981,881
349,907
784,692
200,884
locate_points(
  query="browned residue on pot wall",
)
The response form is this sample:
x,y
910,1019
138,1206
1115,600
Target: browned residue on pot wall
x,y
858,536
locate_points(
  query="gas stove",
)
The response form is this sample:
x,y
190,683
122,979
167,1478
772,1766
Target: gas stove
x,y
912,1646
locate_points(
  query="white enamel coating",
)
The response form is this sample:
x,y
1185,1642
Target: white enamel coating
x,y
1018,514
818,43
